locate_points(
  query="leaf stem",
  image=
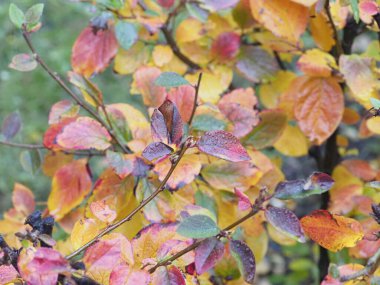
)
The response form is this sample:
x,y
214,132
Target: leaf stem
x,y
62,84
127,218
195,105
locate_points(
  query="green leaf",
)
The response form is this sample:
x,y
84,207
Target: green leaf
x,y
198,226
245,259
206,123
355,10
34,13
375,103
30,160
126,34
16,15
197,12
170,79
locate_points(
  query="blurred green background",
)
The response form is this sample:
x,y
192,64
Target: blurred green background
x,y
32,93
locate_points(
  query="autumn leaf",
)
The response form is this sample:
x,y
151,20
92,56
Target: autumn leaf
x,y
322,31
207,254
173,123
198,226
23,199
183,98
62,109
102,211
243,200
332,231
71,183
318,106
168,275
245,259
292,142
223,145
84,133
284,18
156,150
124,274
7,274
226,46
83,231
317,63
93,50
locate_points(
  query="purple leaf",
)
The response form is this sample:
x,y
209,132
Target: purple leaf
x,y
207,254
11,125
223,145
173,120
285,221
158,127
156,150
245,259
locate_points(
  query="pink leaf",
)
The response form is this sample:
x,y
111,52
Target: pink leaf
x,y
223,145
183,98
102,211
156,150
368,7
84,133
158,127
170,275
226,46
207,254
62,109
244,203
7,274
285,221
123,275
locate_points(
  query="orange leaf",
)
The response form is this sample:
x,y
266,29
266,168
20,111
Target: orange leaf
x,y
23,199
93,50
183,98
317,63
70,185
84,133
332,231
318,107
322,31
102,211
283,18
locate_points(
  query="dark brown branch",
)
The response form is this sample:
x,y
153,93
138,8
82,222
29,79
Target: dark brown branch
x,y
195,98
127,218
62,84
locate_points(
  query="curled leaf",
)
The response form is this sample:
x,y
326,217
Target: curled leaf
x,y
245,259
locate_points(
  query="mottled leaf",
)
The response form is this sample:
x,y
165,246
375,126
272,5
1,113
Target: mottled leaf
x,y
120,163
245,259
23,62
84,133
11,125
170,275
216,5
223,145
156,150
198,226
207,254
83,231
330,231
285,221
62,109
170,79
268,131
102,211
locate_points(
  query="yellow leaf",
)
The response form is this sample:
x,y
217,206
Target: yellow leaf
x,y
283,18
280,237
330,231
307,3
271,92
322,31
317,63
292,142
162,54
189,30
84,230
373,124
127,61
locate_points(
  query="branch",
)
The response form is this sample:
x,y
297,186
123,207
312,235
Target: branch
x,y
339,49
173,45
372,265
195,98
61,83
127,218
41,146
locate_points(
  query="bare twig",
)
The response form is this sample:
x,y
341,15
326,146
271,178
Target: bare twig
x,y
127,218
195,98
372,264
22,145
62,84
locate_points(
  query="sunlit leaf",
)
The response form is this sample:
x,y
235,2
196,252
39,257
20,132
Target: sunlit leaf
x,y
93,50
127,61
207,254
322,31
198,226
245,259
71,183
223,145
84,133
332,231
285,221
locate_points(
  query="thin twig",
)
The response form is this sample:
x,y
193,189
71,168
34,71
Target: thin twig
x,y
193,246
372,264
195,105
127,218
338,45
61,83
23,145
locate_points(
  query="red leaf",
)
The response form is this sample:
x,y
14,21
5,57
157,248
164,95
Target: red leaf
x,y
244,203
226,46
84,133
285,221
170,275
223,145
173,122
207,254
53,131
245,259
156,150
165,3
93,51
183,98
41,266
